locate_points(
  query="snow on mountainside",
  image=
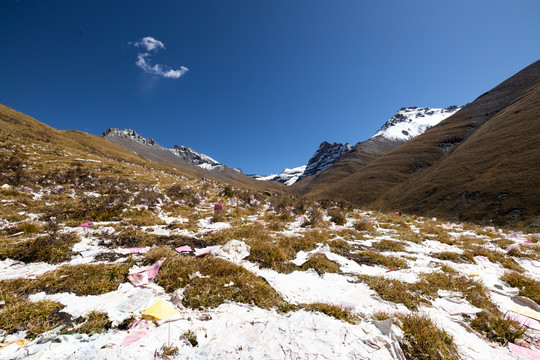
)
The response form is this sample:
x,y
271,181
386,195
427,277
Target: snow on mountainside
x,y
191,156
412,121
325,156
187,154
407,123
287,176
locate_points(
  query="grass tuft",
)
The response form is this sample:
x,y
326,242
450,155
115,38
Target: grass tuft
x,y
95,322
335,311
422,339
527,287
36,317
497,328
321,264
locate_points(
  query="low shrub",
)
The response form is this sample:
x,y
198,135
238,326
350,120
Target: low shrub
x,y
337,216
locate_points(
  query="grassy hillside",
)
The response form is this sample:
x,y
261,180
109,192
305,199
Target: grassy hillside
x,y
425,177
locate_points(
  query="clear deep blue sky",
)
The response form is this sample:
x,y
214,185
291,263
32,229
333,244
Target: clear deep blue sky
x,y
268,81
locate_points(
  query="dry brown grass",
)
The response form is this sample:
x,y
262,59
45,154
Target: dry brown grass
x,y
77,279
335,311
393,290
52,249
465,257
388,245
495,257
364,225
440,234
423,339
497,328
527,287
141,218
94,322
371,257
215,286
320,264
35,317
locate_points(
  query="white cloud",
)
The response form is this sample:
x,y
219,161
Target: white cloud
x,y
144,60
149,43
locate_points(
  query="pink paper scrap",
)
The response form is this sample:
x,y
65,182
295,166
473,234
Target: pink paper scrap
x,y
523,320
133,337
523,351
184,248
206,250
143,277
512,247
87,224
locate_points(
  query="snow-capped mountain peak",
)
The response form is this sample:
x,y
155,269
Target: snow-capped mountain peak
x,y
324,157
412,121
287,176
191,156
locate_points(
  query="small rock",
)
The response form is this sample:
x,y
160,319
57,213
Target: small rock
x,y
205,317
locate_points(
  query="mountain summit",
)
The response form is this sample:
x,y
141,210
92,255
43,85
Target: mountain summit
x,y
412,121
406,124
187,154
323,158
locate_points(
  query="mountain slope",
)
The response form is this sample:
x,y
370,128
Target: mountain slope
x,y
324,157
406,124
182,157
409,168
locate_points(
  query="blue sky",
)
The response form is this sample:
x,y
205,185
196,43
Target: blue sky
x,y
255,84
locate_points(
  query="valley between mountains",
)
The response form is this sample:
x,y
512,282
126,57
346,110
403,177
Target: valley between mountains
x,y
421,242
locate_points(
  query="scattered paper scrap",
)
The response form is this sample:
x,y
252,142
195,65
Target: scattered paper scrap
x,y
206,250
160,310
135,301
143,277
526,311
523,351
523,320
184,248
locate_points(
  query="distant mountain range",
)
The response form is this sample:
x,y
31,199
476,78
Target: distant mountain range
x,y
481,164
185,153
407,123
181,157
403,126
477,163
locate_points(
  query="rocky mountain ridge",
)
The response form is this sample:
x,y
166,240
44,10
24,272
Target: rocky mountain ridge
x,y
406,124
185,153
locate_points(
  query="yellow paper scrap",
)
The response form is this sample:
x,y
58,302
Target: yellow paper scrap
x,y
526,311
20,342
160,310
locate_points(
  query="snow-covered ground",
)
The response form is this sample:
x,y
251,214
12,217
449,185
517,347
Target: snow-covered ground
x,y
236,330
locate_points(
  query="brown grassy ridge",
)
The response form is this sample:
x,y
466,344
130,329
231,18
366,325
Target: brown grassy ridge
x,y
476,165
